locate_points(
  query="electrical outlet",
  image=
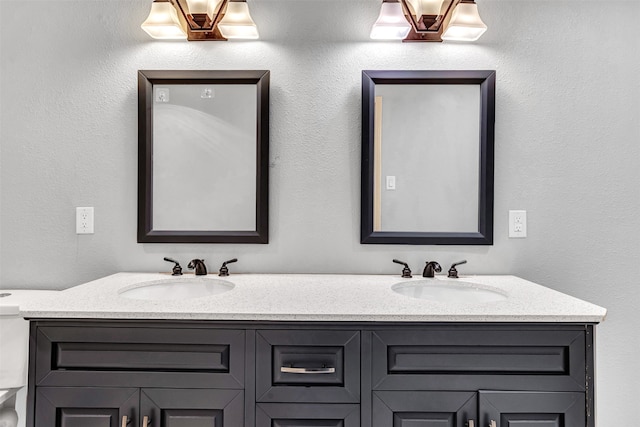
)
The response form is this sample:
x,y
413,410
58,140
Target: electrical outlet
x,y
84,220
517,224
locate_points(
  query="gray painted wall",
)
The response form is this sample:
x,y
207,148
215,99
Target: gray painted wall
x,y
567,147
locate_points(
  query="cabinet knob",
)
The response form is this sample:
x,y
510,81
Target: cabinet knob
x,y
146,421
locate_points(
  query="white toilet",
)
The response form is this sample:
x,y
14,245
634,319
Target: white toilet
x,y
14,348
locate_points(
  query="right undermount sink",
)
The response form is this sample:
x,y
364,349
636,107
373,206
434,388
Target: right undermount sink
x,y
449,291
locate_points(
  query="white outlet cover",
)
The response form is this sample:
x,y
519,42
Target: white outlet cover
x,y
84,220
517,224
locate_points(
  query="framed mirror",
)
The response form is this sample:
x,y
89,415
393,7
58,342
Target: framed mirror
x,y
427,157
203,152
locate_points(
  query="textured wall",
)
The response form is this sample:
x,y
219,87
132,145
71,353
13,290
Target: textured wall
x,y
567,148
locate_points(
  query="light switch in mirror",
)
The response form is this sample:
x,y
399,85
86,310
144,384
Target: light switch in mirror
x,y
427,157
203,153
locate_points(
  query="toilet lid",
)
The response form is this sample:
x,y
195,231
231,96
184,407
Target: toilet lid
x,y
7,394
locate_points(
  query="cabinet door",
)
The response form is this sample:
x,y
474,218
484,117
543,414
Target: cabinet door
x,y
424,408
192,407
307,415
85,407
532,409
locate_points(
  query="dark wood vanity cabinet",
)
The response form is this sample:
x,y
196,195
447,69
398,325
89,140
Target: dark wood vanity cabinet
x,y
475,375
277,374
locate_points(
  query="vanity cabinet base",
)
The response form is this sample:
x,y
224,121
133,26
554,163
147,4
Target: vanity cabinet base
x,y
94,373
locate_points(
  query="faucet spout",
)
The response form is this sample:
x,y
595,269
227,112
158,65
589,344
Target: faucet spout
x,y
198,264
431,268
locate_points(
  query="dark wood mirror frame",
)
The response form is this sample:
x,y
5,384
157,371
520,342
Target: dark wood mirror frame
x,y
146,80
486,79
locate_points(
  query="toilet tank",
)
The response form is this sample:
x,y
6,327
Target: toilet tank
x,y
14,336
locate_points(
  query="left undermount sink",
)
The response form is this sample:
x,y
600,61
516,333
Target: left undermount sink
x,y
449,291
176,288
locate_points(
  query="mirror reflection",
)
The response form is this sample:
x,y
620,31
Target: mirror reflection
x,y
204,138
427,157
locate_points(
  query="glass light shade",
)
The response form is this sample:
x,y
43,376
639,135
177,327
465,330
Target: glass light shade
x,y
163,23
465,24
213,8
391,23
425,7
198,6
237,22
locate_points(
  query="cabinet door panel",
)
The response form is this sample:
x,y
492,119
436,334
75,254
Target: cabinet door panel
x,y
114,355
85,407
192,418
423,408
469,357
307,415
193,408
532,409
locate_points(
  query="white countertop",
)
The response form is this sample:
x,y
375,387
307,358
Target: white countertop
x,y
313,297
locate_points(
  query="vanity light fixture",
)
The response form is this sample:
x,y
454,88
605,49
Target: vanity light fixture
x,y
391,23
200,20
430,21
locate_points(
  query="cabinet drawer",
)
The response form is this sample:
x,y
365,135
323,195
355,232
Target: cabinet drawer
x,y
307,366
141,357
307,415
458,358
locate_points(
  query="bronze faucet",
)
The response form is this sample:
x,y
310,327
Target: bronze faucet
x,y
198,264
431,268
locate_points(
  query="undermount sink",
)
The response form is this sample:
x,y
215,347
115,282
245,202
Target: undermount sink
x,y
176,289
449,291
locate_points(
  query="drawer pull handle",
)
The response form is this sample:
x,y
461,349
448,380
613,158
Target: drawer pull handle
x,y
493,424
471,423
125,421
146,421
292,370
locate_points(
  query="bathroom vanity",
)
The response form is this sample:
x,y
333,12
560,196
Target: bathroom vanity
x,y
312,350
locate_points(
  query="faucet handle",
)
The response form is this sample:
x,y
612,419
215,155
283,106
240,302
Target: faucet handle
x,y
406,271
453,273
224,270
177,270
